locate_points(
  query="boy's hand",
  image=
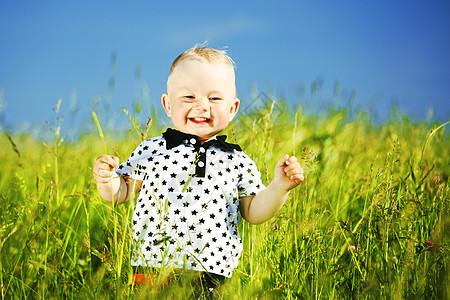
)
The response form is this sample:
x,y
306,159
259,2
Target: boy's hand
x,y
104,168
288,173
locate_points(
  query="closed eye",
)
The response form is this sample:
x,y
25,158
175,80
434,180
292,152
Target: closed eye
x,y
215,98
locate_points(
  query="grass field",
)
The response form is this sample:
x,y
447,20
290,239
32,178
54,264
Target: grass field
x,y
369,222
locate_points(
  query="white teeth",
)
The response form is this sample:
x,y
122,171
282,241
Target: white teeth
x,y
200,119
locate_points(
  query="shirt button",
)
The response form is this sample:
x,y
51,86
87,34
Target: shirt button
x,y
193,141
202,150
201,164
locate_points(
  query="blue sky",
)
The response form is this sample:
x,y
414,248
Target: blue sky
x,y
389,52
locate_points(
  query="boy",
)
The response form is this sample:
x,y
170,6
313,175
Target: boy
x,y
193,185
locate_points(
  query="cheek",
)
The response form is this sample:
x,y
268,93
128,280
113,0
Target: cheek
x,y
224,114
178,116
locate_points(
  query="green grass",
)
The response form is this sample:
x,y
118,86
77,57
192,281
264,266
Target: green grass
x,y
369,221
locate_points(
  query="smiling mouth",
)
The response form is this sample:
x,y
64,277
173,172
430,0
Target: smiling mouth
x,y
199,120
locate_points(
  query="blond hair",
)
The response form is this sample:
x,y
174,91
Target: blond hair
x,y
201,53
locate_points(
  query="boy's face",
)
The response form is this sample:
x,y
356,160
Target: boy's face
x,y
201,97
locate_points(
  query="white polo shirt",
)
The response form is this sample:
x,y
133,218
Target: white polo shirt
x,y
187,212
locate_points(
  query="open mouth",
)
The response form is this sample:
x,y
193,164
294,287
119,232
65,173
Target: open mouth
x,y
199,120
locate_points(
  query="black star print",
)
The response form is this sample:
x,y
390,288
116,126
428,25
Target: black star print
x,y
218,202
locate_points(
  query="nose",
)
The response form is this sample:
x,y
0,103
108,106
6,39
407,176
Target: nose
x,y
202,104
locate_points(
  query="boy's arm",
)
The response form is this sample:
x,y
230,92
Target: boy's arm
x,y
264,205
111,186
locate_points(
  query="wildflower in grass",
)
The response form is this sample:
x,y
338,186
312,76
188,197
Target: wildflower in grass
x,y
431,245
353,248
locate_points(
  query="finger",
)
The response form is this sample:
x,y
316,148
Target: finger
x,y
104,176
282,161
293,169
291,160
293,166
295,173
106,173
111,161
116,161
299,178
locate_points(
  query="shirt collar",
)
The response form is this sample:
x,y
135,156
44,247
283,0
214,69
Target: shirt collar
x,y
174,138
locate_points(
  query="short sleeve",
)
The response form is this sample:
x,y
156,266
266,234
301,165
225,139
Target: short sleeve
x,y
250,182
136,165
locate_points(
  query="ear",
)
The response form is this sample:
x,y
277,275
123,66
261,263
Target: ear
x,y
165,101
234,108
